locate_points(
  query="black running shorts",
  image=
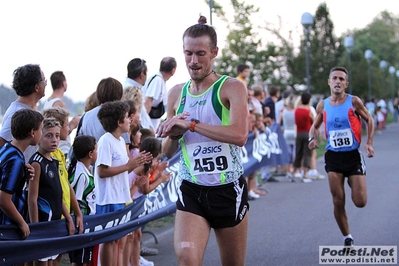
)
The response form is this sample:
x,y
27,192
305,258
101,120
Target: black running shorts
x,y
347,163
81,256
222,206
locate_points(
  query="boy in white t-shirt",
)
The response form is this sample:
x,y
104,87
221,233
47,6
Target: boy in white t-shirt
x,y
112,168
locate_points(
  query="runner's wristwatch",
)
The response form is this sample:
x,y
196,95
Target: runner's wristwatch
x,y
193,123
310,139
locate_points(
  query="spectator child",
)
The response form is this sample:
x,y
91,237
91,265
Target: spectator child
x,y
68,195
134,116
154,172
155,169
44,190
145,133
133,150
133,246
82,181
91,102
26,128
112,168
243,73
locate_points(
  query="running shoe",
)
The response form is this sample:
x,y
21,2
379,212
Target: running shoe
x,y
314,174
349,242
289,176
298,175
253,195
144,262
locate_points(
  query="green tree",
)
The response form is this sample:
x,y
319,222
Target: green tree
x,y
244,45
241,40
382,37
325,51
279,63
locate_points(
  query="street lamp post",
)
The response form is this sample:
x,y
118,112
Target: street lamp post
x,y
383,66
397,75
210,10
307,22
392,71
368,54
349,43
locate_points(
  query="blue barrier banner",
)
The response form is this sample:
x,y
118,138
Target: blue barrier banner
x,y
49,238
268,148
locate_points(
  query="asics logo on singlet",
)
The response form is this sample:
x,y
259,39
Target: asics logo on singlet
x,y
207,150
340,134
203,102
183,100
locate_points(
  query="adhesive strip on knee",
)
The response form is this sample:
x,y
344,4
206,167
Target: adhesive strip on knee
x,y
185,245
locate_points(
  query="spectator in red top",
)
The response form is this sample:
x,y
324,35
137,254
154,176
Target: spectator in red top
x,y
303,120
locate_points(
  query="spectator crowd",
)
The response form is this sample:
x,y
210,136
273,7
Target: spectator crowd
x,y
115,157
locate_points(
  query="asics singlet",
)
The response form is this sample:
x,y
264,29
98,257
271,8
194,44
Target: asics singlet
x,y
205,161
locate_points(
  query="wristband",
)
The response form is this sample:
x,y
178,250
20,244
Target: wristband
x,y
193,123
175,137
152,176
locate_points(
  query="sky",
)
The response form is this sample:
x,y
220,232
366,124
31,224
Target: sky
x,y
91,40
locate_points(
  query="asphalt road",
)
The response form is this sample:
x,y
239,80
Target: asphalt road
x,y
287,226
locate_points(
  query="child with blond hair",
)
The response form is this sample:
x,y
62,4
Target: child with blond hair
x,y
44,190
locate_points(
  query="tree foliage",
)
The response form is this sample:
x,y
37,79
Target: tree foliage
x,y
244,45
279,62
382,37
325,51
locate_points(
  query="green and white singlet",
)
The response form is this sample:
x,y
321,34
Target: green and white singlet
x,y
205,161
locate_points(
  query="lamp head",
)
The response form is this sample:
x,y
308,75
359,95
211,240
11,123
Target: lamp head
x,y
392,70
349,42
368,54
307,19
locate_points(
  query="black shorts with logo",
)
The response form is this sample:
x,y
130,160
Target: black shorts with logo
x,y
80,256
348,163
222,206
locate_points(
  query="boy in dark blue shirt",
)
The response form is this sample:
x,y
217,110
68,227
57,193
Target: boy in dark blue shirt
x,y
26,128
45,192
